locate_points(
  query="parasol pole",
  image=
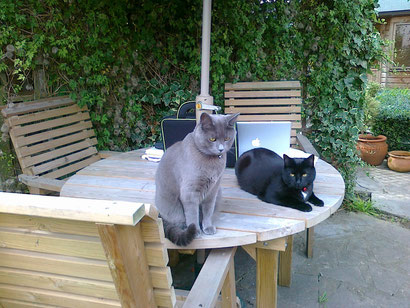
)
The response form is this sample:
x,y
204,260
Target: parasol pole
x,y
204,101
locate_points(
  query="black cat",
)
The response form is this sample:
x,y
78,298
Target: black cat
x,y
287,182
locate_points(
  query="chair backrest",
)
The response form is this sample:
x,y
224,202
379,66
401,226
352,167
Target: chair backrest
x,y
52,137
69,252
266,101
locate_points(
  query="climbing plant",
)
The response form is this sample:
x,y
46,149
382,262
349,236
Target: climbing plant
x,y
132,62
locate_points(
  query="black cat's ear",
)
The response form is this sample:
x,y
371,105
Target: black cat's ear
x,y
206,121
310,161
231,119
287,161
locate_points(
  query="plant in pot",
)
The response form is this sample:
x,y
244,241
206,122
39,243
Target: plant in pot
x,y
372,148
393,119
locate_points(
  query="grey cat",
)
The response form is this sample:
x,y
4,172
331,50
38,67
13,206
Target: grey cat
x,y
188,177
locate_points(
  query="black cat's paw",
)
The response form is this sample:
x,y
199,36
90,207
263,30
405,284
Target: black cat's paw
x,y
316,201
209,230
304,207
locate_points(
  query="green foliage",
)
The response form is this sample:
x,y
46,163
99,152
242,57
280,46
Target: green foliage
x,y
370,105
132,62
357,204
393,118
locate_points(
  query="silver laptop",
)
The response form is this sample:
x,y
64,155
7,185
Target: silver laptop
x,y
274,136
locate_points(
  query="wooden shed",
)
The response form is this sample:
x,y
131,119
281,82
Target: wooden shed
x,y
396,29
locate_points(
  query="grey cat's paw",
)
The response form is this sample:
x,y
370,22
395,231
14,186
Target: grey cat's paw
x,y
209,230
197,233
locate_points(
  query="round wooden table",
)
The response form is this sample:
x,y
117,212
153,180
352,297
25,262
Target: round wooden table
x,y
243,218
262,229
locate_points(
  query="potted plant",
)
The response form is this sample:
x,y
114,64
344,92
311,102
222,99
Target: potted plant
x,y
399,161
373,149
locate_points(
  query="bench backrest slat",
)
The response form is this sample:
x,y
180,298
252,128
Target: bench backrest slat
x,y
52,137
266,101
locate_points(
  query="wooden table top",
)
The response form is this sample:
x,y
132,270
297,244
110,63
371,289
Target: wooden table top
x,y
243,219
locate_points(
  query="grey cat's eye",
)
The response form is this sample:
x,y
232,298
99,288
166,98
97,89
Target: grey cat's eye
x,y
292,174
212,139
304,174
227,138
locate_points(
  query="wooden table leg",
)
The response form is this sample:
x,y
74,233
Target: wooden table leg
x,y
266,278
310,233
285,264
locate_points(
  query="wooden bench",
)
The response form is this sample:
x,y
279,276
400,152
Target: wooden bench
x,y
272,101
73,252
53,138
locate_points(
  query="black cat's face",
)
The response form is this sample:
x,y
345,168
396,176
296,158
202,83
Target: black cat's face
x,y
298,172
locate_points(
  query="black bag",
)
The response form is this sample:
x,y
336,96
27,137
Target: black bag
x,y
175,128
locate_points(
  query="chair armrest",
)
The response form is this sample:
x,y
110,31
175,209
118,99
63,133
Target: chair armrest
x,y
205,291
98,211
106,154
306,145
41,182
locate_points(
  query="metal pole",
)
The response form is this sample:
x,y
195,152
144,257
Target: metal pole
x,y
204,98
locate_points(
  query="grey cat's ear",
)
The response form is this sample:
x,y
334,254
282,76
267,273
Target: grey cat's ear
x,y
206,121
231,119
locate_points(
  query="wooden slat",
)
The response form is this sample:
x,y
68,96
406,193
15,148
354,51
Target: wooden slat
x,y
55,298
72,168
69,245
228,292
33,223
290,93
161,277
54,143
270,117
156,254
58,283
165,297
271,110
42,115
101,211
263,101
50,124
124,251
65,160
55,264
33,160
11,303
153,231
38,105
36,182
211,278
22,141
263,85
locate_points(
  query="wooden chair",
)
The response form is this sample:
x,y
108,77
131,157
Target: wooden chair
x,y
66,252
272,101
53,138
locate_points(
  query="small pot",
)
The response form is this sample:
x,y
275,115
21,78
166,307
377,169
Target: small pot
x,y
399,161
373,149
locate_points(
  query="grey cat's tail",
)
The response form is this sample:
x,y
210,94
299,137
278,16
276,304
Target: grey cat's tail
x,y
178,236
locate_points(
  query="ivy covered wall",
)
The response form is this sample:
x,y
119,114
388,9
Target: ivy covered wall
x,y
132,62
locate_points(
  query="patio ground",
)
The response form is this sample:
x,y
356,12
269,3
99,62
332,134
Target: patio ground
x,y
358,261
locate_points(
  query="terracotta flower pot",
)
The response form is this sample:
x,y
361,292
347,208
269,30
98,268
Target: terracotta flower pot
x,y
399,161
373,149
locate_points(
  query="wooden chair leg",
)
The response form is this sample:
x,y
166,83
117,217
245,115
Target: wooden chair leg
x,y
266,278
310,233
285,264
228,291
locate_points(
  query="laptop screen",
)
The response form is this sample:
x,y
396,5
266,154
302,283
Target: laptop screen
x,y
274,136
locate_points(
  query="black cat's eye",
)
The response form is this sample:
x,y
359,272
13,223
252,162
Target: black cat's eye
x,y
212,139
227,138
292,174
304,174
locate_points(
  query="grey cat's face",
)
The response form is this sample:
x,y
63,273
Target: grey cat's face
x,y
215,134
